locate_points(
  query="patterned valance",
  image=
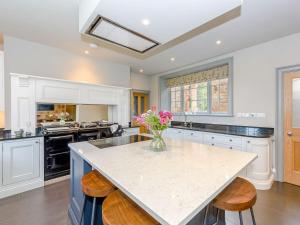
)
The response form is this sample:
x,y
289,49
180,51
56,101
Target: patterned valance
x,y
219,72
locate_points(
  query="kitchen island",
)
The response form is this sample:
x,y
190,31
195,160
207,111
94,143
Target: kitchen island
x,y
173,186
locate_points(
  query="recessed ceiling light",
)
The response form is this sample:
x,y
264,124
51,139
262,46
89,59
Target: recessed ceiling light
x,y
145,22
141,71
218,42
172,59
92,45
86,52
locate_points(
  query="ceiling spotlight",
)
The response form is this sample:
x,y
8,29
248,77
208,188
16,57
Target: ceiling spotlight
x,y
145,22
92,45
86,52
218,42
172,59
141,71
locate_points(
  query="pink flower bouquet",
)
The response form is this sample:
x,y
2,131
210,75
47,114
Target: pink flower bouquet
x,y
157,124
153,121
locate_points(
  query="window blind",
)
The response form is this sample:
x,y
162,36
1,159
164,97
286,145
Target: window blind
x,y
219,72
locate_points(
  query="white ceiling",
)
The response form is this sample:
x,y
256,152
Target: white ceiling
x,y
168,18
55,23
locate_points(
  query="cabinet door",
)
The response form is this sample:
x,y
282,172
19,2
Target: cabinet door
x,y
20,161
1,164
260,168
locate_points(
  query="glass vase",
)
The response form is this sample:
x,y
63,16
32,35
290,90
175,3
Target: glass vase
x,y
157,143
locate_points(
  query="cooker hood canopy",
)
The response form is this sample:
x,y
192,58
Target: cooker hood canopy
x,y
138,26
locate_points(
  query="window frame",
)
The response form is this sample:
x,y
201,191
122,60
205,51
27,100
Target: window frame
x,y
165,96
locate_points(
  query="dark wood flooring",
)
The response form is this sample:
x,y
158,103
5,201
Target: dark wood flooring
x,y
48,206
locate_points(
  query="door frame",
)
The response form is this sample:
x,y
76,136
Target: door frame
x,y
131,97
279,129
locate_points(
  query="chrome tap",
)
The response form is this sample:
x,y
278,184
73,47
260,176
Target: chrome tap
x,y
185,123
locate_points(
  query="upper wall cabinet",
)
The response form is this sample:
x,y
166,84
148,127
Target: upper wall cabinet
x,y
57,92
28,90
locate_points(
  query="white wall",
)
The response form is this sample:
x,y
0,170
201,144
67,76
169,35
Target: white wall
x,y
1,81
140,82
254,83
35,59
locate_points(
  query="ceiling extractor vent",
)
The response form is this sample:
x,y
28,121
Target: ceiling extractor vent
x,y
112,32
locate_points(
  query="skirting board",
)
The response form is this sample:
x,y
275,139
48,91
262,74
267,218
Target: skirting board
x,y
56,180
262,184
9,190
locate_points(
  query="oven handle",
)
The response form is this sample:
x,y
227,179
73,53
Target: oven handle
x,y
62,137
60,153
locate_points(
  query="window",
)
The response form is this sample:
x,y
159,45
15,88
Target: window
x,y
205,93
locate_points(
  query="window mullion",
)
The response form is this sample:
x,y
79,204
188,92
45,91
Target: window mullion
x,y
209,96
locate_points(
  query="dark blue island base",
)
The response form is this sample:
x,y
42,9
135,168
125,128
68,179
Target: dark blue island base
x,y
79,167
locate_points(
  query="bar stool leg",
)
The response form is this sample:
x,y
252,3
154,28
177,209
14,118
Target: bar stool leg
x,y
206,215
241,218
218,215
252,215
83,207
93,211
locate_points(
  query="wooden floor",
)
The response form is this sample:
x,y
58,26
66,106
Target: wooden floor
x,y
48,206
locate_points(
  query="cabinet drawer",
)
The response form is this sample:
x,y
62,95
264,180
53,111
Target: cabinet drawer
x,y
223,139
226,146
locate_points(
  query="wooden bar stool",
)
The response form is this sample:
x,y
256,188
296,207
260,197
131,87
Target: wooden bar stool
x,y
118,209
96,186
240,195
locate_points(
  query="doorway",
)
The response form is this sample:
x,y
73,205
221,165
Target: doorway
x,y
291,126
139,103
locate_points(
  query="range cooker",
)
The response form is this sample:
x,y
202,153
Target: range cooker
x,y
57,137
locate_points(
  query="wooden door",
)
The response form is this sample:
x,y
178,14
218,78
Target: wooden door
x,y
140,103
21,161
292,127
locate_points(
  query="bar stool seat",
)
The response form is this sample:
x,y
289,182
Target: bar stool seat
x,y
240,195
118,209
96,186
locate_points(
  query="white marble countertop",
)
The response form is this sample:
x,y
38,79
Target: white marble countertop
x,y
172,186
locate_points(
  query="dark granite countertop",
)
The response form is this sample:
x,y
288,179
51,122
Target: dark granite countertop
x,y
247,131
9,135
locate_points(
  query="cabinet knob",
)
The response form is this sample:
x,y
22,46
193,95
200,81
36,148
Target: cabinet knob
x,y
230,147
37,142
248,142
230,140
212,137
192,133
290,133
213,144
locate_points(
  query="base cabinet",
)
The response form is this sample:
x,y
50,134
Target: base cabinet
x,y
260,168
20,161
21,166
258,172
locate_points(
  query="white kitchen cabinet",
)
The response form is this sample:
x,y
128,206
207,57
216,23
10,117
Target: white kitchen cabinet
x,y
260,169
20,161
22,165
259,172
1,164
